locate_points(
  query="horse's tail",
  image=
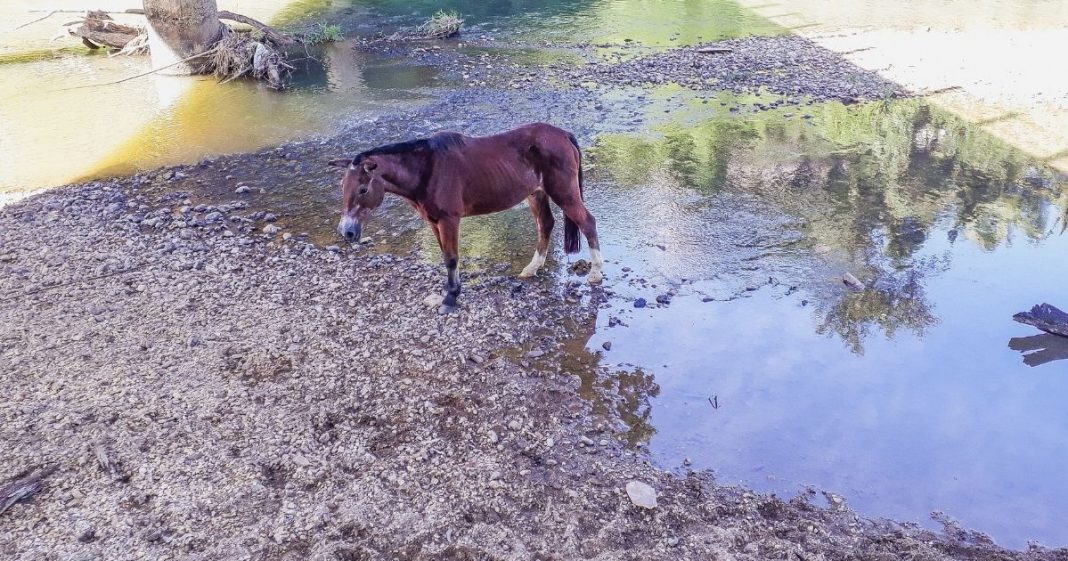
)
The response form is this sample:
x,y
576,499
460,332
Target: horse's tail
x,y
572,241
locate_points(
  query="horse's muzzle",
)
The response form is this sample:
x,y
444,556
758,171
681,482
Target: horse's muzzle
x,y
349,229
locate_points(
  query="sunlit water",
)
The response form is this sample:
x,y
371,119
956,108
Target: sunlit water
x,y
918,394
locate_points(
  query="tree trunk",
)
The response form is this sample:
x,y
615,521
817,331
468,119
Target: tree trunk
x,y
179,29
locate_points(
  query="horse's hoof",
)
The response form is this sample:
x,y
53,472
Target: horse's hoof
x,y
527,274
595,277
446,309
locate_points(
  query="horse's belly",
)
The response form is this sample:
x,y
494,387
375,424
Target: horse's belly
x,y
496,200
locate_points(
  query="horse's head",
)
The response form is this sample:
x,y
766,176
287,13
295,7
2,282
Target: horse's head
x,y
362,190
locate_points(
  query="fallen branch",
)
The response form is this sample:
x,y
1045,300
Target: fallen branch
x,y
72,283
268,31
98,29
50,14
23,488
143,74
1046,317
714,50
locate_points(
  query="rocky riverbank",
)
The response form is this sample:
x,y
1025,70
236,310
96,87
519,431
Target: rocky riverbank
x,y
209,388
789,66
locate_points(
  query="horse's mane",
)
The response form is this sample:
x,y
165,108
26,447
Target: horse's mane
x,y
440,142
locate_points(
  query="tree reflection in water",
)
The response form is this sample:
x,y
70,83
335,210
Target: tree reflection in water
x,y
872,183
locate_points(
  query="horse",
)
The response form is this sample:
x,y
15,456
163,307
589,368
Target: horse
x,y
448,176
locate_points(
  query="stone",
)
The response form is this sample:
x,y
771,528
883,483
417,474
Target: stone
x,y
607,345
641,494
640,303
433,301
241,189
271,229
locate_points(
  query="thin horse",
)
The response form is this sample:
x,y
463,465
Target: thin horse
x,y
448,176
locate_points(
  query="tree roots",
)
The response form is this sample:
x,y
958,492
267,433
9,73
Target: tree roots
x,y
258,54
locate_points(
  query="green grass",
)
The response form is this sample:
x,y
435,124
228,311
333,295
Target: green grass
x,y
443,24
324,33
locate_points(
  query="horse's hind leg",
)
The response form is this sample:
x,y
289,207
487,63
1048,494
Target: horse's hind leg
x,y
448,230
577,213
543,217
567,194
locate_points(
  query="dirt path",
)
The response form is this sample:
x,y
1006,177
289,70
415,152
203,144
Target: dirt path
x,y
207,390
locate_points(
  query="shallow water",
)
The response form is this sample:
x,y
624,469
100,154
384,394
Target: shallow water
x,y
919,394
910,397
64,118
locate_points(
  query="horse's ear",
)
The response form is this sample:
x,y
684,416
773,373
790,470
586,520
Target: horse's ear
x,y
340,163
369,165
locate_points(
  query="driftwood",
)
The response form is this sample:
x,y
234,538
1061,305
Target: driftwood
x,y
98,29
1045,317
714,50
269,32
853,282
23,488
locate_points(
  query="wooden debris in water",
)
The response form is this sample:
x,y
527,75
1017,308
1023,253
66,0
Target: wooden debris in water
x,y
97,29
714,50
1046,317
257,54
23,488
853,282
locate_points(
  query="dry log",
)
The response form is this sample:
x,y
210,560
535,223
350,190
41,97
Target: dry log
x,y
714,50
23,488
1046,317
853,282
100,30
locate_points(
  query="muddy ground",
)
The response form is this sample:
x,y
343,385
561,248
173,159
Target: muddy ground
x,y
209,384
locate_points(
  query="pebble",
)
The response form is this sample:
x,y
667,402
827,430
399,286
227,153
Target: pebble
x,y
271,229
241,189
607,345
640,303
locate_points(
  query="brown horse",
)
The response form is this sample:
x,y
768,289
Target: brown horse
x,y
449,176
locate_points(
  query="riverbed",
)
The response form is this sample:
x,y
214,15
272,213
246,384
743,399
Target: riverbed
x,y
725,340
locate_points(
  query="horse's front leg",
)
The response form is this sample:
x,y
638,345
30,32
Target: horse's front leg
x,y
448,230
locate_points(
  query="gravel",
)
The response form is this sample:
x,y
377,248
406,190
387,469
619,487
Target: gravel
x,y
207,390
790,66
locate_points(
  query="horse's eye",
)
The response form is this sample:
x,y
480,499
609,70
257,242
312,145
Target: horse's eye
x,y
363,190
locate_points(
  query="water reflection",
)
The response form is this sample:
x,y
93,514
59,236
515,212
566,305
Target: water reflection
x,y
1040,349
902,396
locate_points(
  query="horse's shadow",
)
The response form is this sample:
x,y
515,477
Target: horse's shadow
x,y
1040,349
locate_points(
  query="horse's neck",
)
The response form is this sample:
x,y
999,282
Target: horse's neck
x,y
402,172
